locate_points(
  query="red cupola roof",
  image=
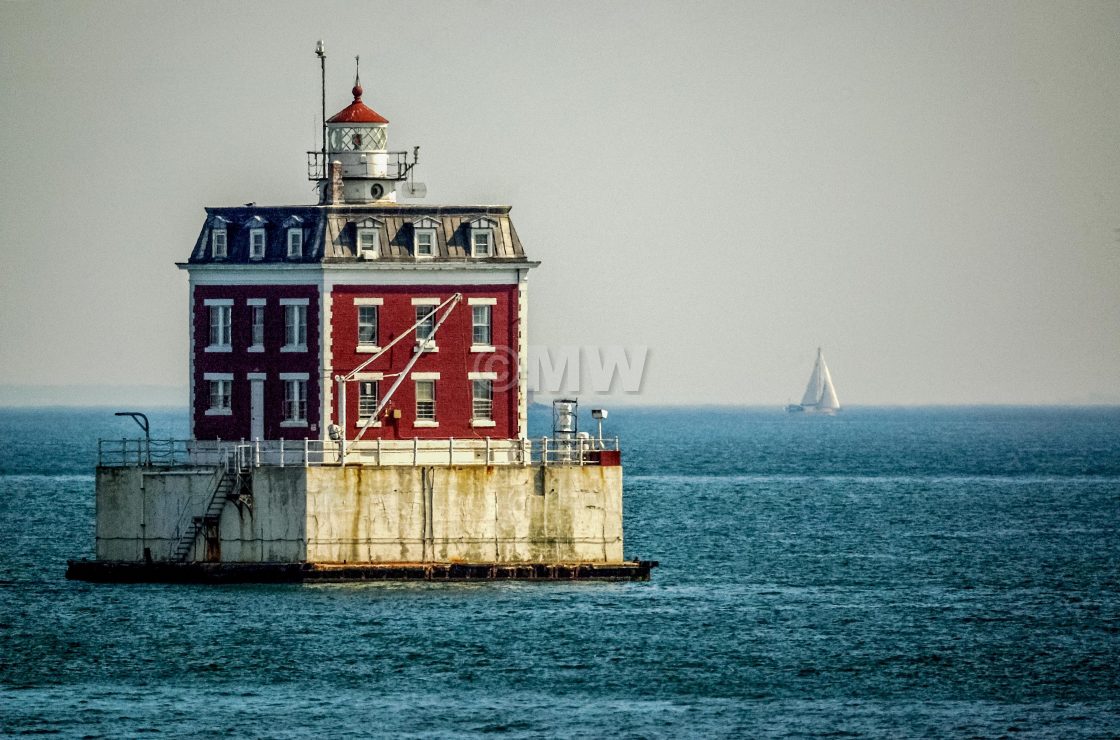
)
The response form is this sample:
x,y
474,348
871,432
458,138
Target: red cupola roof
x,y
357,112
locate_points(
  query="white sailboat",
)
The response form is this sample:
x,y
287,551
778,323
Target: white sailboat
x,y
820,394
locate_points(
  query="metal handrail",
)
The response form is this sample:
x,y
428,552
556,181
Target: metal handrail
x,y
249,454
397,165
223,470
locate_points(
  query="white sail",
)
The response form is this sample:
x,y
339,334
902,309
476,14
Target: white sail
x,y
828,400
813,390
820,394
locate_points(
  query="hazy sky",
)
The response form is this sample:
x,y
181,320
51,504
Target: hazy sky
x,y
931,191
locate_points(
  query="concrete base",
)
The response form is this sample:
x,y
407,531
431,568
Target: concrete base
x,y
107,571
513,514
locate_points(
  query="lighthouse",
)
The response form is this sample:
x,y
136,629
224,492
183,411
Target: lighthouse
x,y
303,317
358,403
355,166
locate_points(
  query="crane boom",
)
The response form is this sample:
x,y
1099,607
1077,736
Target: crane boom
x,y
450,305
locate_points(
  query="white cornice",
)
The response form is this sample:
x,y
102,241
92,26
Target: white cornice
x,y
330,274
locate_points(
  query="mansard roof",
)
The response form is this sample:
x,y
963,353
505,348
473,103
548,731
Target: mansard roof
x,y
330,232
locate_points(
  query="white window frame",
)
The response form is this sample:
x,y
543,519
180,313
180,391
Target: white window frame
x,y
223,383
256,311
476,235
294,330
257,238
431,304
491,302
475,379
222,309
426,226
295,243
219,243
430,234
369,346
425,379
359,302
295,391
371,252
362,378
479,344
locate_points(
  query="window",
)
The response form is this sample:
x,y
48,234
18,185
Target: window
x,y
295,401
482,241
480,325
258,326
368,313
367,399
426,330
482,322
221,392
367,238
256,244
295,243
218,243
424,237
425,245
425,400
295,325
220,325
367,326
482,400
367,243
482,237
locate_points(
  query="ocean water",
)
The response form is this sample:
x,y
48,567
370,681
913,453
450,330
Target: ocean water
x,y
883,573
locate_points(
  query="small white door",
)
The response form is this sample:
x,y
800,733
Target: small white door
x,y
256,410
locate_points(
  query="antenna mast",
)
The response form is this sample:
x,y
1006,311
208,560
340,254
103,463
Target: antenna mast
x,y
321,52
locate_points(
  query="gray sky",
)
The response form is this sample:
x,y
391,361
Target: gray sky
x,y
931,191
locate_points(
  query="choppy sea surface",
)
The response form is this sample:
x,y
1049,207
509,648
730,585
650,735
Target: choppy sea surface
x,y
884,573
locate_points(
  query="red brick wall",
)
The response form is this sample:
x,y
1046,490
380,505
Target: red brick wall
x,y
240,362
453,360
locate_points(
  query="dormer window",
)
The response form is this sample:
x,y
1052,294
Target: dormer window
x,y
481,243
218,243
256,244
424,237
367,243
219,238
366,238
482,238
294,225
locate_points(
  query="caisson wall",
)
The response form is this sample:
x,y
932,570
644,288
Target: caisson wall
x,y
368,514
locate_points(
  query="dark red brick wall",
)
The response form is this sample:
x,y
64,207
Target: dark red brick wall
x,y
453,360
272,362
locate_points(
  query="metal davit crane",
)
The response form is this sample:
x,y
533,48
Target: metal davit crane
x,y
447,307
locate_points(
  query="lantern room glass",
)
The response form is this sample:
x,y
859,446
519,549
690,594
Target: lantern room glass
x,y
357,138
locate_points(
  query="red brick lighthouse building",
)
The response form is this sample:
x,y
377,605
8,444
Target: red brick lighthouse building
x,y
358,320
358,402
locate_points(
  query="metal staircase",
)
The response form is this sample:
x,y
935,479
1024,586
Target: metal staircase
x,y
228,484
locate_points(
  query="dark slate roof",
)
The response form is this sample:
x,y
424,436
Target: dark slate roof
x,y
330,234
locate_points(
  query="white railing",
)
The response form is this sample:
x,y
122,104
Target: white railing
x,y
573,450
248,454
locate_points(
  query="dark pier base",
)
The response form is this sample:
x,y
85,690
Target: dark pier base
x,y
115,571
